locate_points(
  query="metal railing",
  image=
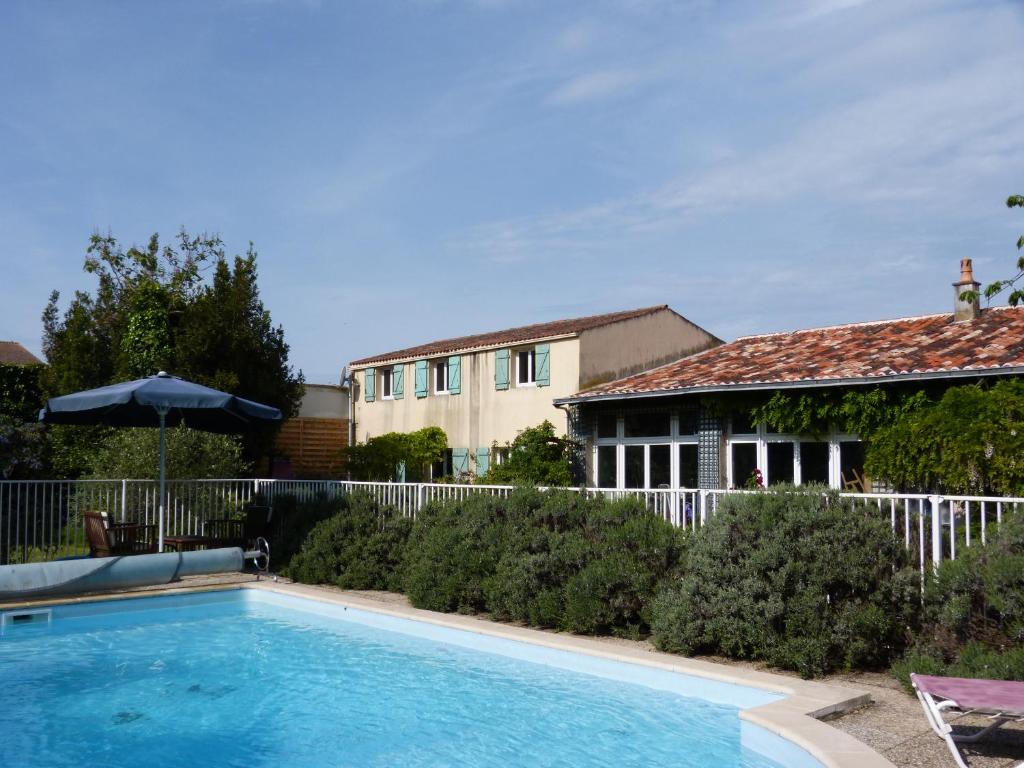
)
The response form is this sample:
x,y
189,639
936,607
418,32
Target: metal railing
x,y
41,519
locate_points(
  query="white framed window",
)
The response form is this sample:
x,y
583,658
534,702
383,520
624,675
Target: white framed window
x,y
835,459
441,377
526,367
501,455
385,384
645,450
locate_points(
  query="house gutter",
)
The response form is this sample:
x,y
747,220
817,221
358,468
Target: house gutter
x,y
802,384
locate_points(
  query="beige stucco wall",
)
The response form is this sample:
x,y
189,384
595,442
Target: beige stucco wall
x,y
324,401
620,349
480,415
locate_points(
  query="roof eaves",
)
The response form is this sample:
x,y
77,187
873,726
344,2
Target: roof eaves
x,y
956,373
370,362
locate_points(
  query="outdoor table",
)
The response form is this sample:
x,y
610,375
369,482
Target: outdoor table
x,y
186,543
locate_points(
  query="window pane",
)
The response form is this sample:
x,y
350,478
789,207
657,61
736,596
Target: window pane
x,y
742,425
526,366
814,463
661,466
744,462
851,465
647,425
385,383
688,422
780,463
688,466
606,467
634,466
607,426
441,377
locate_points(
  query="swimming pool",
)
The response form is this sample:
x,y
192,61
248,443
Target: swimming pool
x,y
253,678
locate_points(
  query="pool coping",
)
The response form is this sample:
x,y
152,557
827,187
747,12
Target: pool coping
x,y
794,718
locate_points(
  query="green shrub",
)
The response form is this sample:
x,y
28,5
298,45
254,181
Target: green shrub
x,y
973,618
360,547
453,548
550,559
798,578
292,521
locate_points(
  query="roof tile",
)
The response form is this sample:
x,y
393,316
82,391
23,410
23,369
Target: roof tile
x,y
877,349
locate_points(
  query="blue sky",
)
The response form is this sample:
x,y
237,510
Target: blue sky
x,y
413,170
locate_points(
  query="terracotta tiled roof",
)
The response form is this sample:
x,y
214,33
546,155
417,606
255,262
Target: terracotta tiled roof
x,y
521,335
12,353
927,347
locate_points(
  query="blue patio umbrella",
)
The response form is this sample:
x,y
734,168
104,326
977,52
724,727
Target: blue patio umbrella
x,y
159,401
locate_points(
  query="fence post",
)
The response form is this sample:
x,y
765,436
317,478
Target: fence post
x,y
935,501
703,506
421,492
124,499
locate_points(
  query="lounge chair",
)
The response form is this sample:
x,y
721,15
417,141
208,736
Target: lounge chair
x,y
1002,701
117,538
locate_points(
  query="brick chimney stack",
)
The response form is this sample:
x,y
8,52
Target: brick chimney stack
x,y
966,310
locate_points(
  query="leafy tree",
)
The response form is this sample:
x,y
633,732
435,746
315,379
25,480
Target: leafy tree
x,y
972,440
997,287
21,439
537,456
135,453
154,308
389,456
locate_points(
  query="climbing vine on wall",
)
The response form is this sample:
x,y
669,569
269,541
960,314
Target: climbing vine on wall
x,y
858,411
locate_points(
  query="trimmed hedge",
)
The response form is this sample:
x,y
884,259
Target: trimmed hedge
x,y
360,547
550,559
795,577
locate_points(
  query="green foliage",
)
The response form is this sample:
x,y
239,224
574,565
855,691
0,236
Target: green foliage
x,y
973,622
381,458
293,520
135,453
153,309
995,288
794,577
360,547
971,441
453,549
22,444
551,559
858,411
537,456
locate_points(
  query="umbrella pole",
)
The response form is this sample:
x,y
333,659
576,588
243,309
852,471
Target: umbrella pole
x,y
163,477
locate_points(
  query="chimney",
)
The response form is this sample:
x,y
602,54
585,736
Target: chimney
x,y
966,310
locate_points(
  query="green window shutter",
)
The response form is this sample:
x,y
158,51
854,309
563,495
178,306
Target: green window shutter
x,y
369,382
398,382
483,460
421,378
460,460
501,357
455,376
542,374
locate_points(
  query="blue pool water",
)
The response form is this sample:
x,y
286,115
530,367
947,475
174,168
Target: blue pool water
x,y
248,678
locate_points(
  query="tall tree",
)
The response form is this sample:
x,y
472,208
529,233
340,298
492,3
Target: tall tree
x,y
153,309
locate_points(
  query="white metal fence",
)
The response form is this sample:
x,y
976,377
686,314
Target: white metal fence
x,y
41,519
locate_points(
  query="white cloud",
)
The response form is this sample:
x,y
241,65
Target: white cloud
x,y
594,86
